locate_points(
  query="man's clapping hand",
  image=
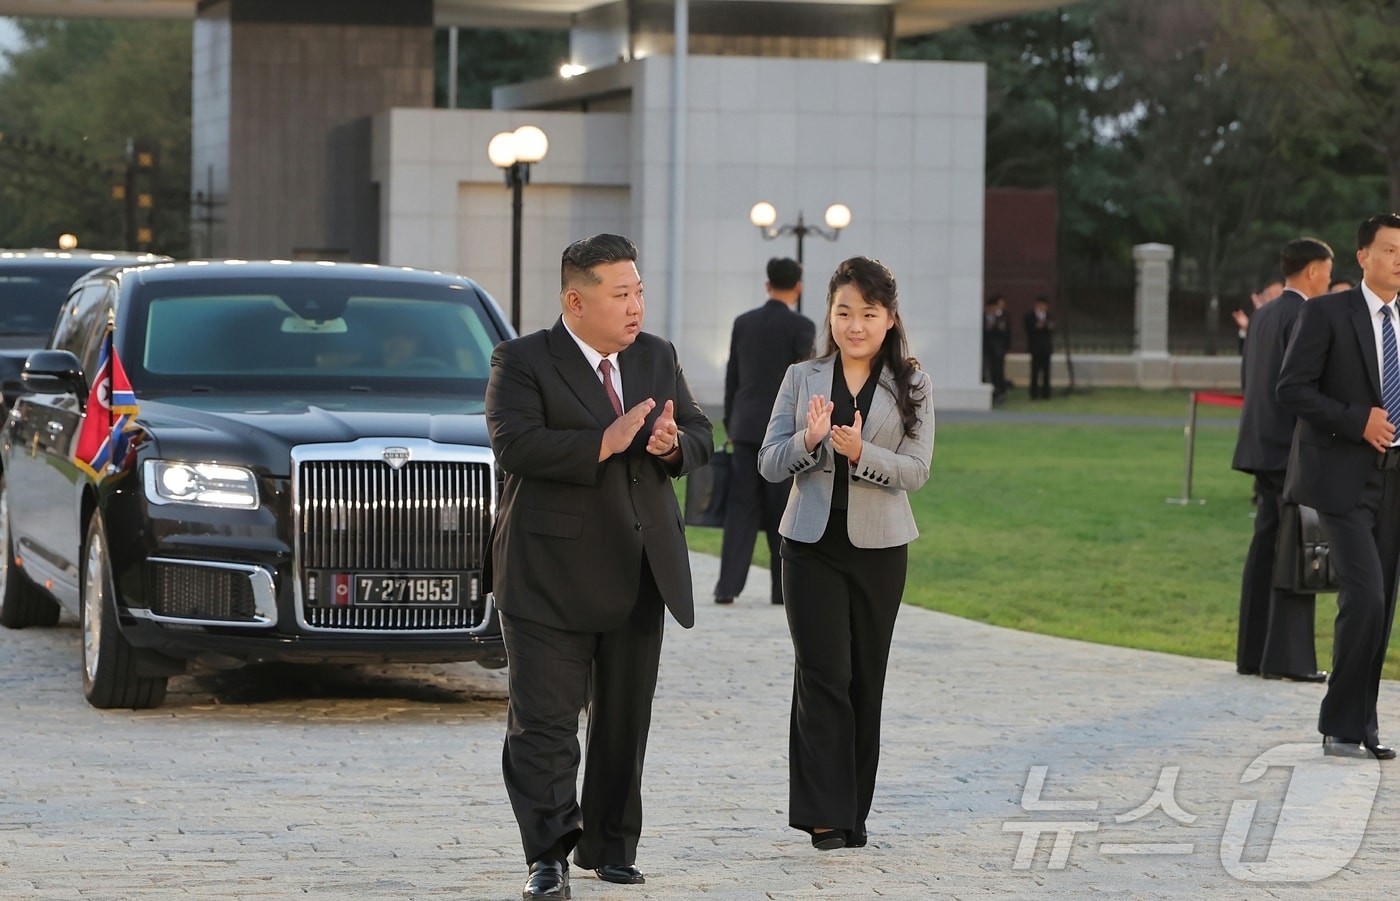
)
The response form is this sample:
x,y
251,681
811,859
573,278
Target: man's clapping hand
x,y
665,436
618,436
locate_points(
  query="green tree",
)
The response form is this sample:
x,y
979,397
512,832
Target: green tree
x,y
71,100
1337,65
490,57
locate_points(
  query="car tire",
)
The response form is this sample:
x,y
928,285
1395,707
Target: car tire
x,y
21,603
111,674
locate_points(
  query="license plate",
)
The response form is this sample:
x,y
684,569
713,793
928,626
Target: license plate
x,y
407,591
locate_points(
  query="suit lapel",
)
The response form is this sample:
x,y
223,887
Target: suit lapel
x,y
1366,337
573,367
818,382
635,363
881,405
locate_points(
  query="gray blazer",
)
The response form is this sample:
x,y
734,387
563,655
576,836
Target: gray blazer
x,y
891,463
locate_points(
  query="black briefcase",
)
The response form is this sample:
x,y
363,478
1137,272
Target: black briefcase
x,y
705,491
1303,560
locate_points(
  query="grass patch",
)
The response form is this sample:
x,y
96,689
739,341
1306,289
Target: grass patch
x,y
1065,530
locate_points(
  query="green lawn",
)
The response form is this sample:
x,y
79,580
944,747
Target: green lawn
x,y
1065,530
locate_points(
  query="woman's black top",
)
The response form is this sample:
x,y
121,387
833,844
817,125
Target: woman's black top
x,y
844,413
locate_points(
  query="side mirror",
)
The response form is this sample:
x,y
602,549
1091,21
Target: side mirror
x,y
53,372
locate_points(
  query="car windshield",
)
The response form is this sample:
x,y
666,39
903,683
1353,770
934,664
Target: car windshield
x,y
30,297
331,333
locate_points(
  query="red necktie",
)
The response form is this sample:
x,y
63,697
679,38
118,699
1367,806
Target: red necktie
x,y
605,368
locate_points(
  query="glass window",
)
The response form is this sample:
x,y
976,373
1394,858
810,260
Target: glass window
x,y
353,334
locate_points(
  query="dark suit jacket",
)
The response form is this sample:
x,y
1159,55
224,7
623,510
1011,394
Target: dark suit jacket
x,y
570,532
764,343
1266,426
1330,379
1039,340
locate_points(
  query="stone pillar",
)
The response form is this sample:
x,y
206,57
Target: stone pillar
x,y
1154,369
272,80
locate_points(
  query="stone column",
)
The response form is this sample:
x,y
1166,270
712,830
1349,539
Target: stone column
x,y
1154,369
272,80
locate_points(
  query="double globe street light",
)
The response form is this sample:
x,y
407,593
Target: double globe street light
x,y
513,152
764,215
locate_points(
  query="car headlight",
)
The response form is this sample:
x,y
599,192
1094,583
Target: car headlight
x,y
200,484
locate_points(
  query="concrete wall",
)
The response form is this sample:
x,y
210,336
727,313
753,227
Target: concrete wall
x,y
268,90
901,143
1122,371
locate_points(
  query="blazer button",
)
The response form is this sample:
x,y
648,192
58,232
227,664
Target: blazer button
x,y
637,526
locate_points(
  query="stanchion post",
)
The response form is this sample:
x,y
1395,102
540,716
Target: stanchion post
x,y
1190,456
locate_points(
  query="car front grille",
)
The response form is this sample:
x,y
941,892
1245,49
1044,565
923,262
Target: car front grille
x,y
194,592
367,517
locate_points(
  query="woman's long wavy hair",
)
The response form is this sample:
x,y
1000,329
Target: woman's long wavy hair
x,y
876,284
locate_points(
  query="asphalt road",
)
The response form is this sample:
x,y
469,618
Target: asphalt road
x,y
1129,771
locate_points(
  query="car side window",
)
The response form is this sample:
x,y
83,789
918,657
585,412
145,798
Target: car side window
x,y
83,323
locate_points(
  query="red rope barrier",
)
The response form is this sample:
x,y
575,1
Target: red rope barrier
x,y
1221,400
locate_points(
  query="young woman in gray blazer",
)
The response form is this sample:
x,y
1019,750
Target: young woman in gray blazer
x,y
854,430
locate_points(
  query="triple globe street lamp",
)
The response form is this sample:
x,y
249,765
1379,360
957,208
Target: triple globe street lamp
x,y
513,152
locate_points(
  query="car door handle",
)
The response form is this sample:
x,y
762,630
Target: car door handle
x,y
55,428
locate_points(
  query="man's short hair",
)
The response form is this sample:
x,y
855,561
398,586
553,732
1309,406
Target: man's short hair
x,y
1367,232
1300,253
783,273
584,254
994,300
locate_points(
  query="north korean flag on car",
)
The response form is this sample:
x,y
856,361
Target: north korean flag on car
x,y
103,440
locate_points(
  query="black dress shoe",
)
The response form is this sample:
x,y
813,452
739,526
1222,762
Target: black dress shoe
x,y
1318,676
1381,752
1343,747
829,840
724,600
857,839
621,873
548,879
1247,670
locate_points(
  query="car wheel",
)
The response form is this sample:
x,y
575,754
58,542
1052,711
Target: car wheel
x,y
21,604
110,664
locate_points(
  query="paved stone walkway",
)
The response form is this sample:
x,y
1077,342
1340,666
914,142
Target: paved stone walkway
x,y
384,783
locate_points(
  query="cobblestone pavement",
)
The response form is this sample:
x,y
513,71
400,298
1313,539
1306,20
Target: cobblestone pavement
x,y
384,783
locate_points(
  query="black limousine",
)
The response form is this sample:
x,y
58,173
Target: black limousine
x,y
231,462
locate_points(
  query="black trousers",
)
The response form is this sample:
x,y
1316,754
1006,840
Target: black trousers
x,y
1365,549
841,607
1040,373
1276,627
753,503
553,675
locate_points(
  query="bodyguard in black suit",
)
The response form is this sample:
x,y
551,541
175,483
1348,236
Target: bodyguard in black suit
x,y
1040,342
1276,627
1341,376
764,342
590,420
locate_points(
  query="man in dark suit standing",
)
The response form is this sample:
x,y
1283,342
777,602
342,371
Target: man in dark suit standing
x,y
1040,342
996,341
1341,377
590,420
1276,627
763,344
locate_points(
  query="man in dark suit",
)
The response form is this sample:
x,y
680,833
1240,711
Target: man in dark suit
x,y
1341,377
1276,627
1040,342
996,341
763,344
590,420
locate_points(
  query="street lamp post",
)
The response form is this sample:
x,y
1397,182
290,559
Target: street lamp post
x,y
513,152
764,215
